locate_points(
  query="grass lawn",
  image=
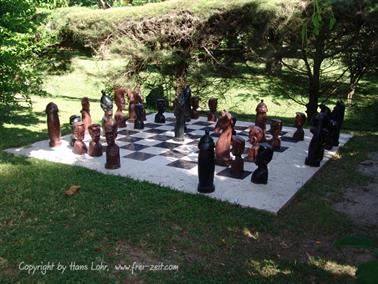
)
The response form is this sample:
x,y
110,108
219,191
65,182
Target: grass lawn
x,y
115,220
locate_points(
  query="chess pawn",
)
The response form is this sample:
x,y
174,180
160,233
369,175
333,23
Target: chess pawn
x,y
138,123
255,136
261,116
85,113
206,164
95,147
238,146
113,160
316,147
73,119
139,99
160,105
79,146
132,114
275,130
213,104
337,114
195,105
300,120
53,124
264,156
222,148
119,98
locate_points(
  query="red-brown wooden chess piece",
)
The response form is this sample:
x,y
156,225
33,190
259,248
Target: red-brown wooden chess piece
x,y
238,146
112,150
119,98
53,124
107,107
275,130
79,146
139,100
213,104
300,119
132,114
85,113
95,147
255,136
261,116
222,148
195,105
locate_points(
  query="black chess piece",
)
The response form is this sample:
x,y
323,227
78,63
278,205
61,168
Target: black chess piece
x,y
263,158
330,125
316,147
238,146
73,119
337,115
160,105
138,123
206,164
182,112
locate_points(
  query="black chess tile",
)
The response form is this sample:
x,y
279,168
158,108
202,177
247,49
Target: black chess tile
x,y
129,139
282,132
174,154
241,128
140,156
182,164
242,133
203,123
127,132
151,125
188,130
167,145
289,139
170,119
134,147
160,137
157,131
282,149
193,136
227,173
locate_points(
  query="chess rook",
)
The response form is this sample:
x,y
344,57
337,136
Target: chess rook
x,y
206,164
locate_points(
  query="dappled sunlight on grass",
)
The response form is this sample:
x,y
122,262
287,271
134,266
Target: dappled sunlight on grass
x,y
333,267
266,268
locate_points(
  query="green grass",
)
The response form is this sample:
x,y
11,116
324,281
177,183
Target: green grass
x,y
117,220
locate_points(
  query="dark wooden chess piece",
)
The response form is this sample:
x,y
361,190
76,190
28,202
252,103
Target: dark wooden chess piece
x,y
233,124
138,123
107,107
195,105
132,114
238,146
79,146
181,113
188,99
85,113
95,147
316,147
119,98
73,119
275,130
160,105
264,156
53,124
222,148
330,125
206,164
255,136
213,104
139,99
113,160
261,116
300,119
337,115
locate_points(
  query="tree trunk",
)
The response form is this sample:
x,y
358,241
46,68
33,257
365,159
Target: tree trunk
x,y
352,91
103,4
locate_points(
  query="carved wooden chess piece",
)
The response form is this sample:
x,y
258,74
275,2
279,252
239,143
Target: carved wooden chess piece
x,y
85,113
79,146
113,160
316,147
119,97
255,136
264,156
73,119
275,130
195,105
139,99
107,107
222,148
53,124
188,99
330,125
337,114
95,147
132,114
206,164
138,123
213,104
300,120
238,146
181,113
261,116
160,105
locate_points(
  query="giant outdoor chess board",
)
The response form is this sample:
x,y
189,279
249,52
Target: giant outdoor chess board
x,y
152,155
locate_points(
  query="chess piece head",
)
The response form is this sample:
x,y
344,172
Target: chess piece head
x,y
261,108
106,103
300,119
95,132
255,134
74,119
85,104
51,109
224,122
324,109
275,127
79,130
160,105
138,95
195,102
213,104
119,98
238,145
264,155
110,134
